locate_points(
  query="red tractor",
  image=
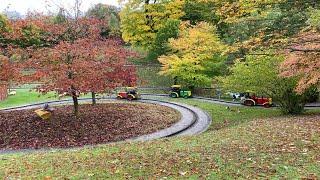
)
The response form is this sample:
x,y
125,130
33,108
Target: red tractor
x,y
253,100
129,93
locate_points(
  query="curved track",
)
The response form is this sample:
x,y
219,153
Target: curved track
x,y
193,120
229,103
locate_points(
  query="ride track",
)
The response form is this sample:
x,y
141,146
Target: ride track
x,y
193,120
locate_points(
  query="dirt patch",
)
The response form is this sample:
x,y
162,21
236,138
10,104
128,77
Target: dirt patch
x,y
97,124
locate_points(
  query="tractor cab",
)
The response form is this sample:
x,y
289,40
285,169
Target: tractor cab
x,y
177,91
176,88
250,99
130,93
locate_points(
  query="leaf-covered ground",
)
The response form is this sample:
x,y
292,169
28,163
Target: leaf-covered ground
x,y
97,124
274,148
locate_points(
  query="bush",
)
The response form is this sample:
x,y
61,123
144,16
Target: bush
x,y
289,101
312,94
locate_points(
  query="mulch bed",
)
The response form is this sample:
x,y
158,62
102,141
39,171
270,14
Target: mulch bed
x,y
97,124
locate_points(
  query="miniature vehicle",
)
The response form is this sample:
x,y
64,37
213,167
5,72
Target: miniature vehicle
x,y
129,93
234,95
12,93
176,92
44,113
253,100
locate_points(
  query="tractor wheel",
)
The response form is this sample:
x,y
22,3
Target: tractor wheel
x,y
119,97
130,97
248,103
173,95
267,105
186,97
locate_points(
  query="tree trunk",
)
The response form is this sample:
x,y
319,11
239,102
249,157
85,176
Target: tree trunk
x,y
93,98
175,80
75,104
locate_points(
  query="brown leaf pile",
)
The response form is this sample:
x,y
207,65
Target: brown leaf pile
x,y
96,124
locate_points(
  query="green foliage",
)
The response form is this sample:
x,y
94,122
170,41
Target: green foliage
x,y
289,100
31,37
148,77
312,94
141,20
60,17
160,45
314,18
197,11
250,25
109,14
3,24
4,28
114,25
193,55
102,11
260,75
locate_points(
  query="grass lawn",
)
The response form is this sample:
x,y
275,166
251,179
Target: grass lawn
x,y
25,96
247,145
149,77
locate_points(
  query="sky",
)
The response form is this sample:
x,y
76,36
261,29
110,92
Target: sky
x,y
23,6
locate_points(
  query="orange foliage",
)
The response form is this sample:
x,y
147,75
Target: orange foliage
x,y
303,60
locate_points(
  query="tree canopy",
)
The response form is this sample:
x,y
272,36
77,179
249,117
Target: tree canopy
x,y
260,74
141,20
192,53
71,56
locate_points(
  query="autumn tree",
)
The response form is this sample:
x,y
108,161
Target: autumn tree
x,y
198,10
160,45
260,74
3,28
108,13
303,60
141,20
74,58
9,72
6,69
250,25
303,53
195,52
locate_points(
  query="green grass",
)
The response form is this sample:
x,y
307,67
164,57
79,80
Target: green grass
x,y
223,117
248,151
28,96
148,71
25,96
242,147
149,77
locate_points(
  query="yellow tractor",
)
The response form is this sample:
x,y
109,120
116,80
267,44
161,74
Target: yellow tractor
x,y
45,112
176,92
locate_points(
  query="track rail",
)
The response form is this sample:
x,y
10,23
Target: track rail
x,y
229,103
144,100
198,123
194,121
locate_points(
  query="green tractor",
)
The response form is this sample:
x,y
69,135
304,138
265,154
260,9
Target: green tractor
x,y
176,92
